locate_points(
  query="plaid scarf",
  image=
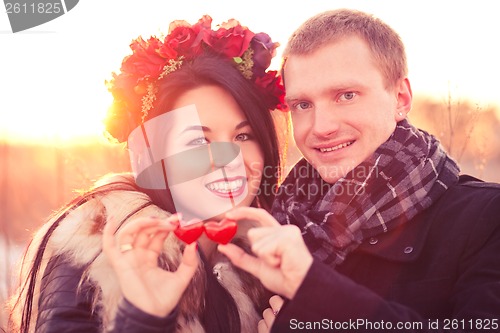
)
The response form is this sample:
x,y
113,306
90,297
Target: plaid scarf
x,y
404,176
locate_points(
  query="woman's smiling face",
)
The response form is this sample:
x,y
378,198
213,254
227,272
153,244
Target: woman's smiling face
x,y
225,161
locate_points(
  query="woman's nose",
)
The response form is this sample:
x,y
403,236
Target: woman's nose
x,y
225,154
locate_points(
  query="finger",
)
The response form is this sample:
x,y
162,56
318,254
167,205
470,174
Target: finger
x,y
262,327
257,234
241,259
108,239
138,231
276,303
156,243
268,316
291,232
144,236
128,232
188,265
266,245
269,257
251,213
271,244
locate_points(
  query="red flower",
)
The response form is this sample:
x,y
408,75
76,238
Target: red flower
x,y
144,66
183,40
145,61
167,51
270,85
204,29
232,39
186,40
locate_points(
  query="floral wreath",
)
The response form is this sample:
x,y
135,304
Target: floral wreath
x,y
134,88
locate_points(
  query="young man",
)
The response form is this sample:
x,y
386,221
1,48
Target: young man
x,y
400,241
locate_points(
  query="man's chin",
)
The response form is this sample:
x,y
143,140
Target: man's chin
x,y
332,173
329,180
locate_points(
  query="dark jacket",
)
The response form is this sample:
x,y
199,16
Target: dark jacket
x,y
63,309
441,270
76,289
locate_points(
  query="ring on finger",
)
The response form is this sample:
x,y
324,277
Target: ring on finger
x,y
126,247
275,312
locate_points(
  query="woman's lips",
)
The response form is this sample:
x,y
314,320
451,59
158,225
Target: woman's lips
x,y
227,188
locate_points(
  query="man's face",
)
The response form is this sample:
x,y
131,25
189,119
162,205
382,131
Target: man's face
x,y
341,109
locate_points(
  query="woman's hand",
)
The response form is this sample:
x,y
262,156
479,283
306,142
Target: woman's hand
x,y
134,253
269,314
282,258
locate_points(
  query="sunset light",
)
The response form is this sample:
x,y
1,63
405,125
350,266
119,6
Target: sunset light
x,y
52,76
158,173
65,119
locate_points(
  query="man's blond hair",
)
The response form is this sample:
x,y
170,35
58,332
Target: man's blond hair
x,y
331,26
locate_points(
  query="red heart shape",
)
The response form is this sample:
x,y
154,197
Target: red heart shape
x,y
189,232
221,232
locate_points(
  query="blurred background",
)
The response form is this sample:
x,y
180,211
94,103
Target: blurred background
x,y
53,97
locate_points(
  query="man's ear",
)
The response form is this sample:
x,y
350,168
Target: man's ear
x,y
404,98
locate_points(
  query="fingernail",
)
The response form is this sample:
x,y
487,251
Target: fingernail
x,y
168,223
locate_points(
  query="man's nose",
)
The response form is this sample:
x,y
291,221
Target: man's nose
x,y
326,121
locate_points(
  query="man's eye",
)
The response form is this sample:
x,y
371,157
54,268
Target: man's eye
x,y
347,96
301,106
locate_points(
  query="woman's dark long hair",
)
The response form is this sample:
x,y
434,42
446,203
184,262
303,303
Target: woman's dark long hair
x,y
210,69
220,311
28,286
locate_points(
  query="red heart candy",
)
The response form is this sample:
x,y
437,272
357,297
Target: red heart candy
x,y
221,232
190,232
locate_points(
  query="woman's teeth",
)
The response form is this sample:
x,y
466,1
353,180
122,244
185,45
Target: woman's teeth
x,y
225,186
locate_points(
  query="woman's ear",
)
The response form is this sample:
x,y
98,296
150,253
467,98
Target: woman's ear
x,y
404,98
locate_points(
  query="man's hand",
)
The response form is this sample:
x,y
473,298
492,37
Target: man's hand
x,y
282,258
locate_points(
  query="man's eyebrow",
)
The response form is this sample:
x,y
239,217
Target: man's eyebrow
x,y
291,99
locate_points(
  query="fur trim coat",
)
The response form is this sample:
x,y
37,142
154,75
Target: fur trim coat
x,y
78,237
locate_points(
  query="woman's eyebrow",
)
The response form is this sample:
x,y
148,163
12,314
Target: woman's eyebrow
x,y
196,128
242,124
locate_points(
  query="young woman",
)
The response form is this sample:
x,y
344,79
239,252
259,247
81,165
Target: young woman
x,y
194,109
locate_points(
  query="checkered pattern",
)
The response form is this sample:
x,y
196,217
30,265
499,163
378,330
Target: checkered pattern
x,y
405,175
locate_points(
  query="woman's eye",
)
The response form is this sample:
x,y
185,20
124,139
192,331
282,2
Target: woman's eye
x,y
347,96
243,137
198,142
